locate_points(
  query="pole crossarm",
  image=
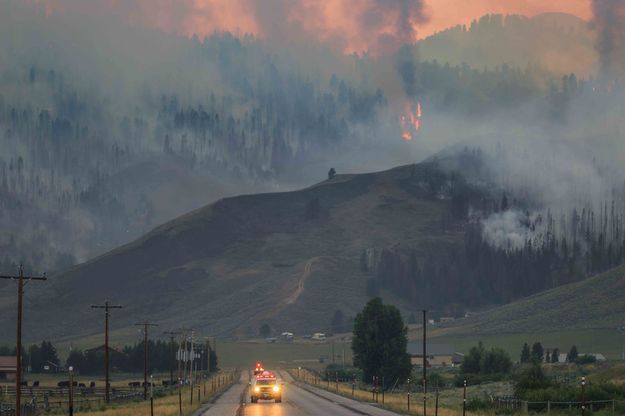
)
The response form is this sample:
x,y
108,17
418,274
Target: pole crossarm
x,y
44,277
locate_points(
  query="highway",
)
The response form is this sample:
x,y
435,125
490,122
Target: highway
x,y
296,401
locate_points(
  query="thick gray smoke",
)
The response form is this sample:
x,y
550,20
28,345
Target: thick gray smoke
x,y
609,22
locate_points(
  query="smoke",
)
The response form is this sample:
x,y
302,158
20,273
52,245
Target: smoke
x,y
511,229
609,22
375,26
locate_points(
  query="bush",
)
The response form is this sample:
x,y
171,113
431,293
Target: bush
x,y
487,364
475,404
344,373
585,359
473,379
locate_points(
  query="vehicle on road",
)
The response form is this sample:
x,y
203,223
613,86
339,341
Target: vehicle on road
x,y
258,369
265,386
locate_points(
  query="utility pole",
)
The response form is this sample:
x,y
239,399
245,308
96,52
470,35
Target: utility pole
x,y
145,326
464,398
18,341
71,391
106,308
208,355
185,359
180,376
172,336
192,353
425,362
583,396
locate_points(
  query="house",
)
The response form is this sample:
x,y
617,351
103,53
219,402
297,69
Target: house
x,y
562,358
8,368
318,336
438,355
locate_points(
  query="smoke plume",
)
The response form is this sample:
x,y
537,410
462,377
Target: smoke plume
x,y
609,22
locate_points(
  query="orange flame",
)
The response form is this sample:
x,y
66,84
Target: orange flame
x,y
414,118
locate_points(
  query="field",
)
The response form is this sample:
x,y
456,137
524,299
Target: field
x,y
166,402
450,400
281,355
594,306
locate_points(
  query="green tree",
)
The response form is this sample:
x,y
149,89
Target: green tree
x,y
212,361
572,355
379,343
495,361
586,359
471,363
537,352
525,354
76,359
555,355
481,361
530,379
35,359
48,353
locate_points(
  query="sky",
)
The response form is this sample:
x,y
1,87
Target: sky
x,y
351,25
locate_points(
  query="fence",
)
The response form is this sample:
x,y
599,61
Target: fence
x,y
27,410
39,399
610,405
51,398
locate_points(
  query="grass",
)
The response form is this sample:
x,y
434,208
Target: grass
x,y
586,306
450,400
164,406
281,355
165,403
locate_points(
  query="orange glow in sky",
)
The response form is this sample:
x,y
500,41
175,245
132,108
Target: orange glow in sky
x,y
353,25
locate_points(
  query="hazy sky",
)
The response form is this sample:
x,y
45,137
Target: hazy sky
x,y
353,25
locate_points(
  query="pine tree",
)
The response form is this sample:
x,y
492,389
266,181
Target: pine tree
x,y
525,354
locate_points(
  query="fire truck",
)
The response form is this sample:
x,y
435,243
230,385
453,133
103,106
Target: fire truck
x,y
258,369
265,386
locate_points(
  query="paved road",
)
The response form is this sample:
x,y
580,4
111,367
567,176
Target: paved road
x,y
297,401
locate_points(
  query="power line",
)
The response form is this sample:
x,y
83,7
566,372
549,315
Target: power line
x,y
106,308
18,347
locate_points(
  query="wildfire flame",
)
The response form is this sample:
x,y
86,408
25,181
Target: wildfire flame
x,y
411,122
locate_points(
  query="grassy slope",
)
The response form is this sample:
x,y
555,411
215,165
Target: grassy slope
x,y
587,314
243,261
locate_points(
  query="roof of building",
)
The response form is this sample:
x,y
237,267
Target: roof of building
x,y
8,362
102,348
416,348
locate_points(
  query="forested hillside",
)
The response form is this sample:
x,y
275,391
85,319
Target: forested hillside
x,y
105,136
557,42
510,246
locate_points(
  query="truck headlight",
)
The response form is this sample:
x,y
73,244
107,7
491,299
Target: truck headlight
x,y
256,389
276,388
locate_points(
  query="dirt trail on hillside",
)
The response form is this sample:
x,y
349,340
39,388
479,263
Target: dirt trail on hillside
x,y
302,280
